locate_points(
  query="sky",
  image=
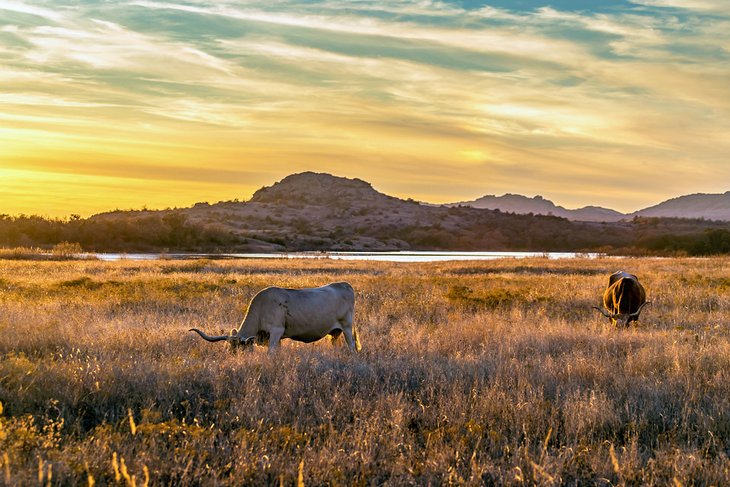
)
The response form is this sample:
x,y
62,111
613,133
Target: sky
x,y
109,104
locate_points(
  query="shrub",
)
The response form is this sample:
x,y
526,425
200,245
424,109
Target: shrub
x,y
66,249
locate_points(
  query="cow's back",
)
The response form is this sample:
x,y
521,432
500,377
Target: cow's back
x,y
613,278
320,304
624,295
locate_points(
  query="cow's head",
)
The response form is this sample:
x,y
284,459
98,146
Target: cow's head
x,y
622,319
234,340
239,343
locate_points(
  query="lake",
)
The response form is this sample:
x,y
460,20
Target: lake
x,y
400,256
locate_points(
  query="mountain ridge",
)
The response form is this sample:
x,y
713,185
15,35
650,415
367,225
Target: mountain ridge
x,y
517,203
709,206
323,188
318,187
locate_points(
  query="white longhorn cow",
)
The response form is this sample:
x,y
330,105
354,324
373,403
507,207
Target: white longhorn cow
x,y
305,315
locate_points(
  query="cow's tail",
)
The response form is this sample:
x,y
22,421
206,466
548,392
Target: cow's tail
x,y
358,345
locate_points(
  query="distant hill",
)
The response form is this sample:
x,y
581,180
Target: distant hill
x,y
705,206
515,203
700,205
595,214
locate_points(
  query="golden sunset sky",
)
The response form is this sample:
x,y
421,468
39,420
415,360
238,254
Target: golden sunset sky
x,y
127,104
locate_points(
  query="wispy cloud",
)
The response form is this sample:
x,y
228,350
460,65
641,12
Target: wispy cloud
x,y
718,6
32,10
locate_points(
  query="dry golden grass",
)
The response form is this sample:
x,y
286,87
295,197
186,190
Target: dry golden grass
x,y
472,373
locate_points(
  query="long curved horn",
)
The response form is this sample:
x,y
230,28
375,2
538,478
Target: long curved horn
x,y
604,313
636,313
209,338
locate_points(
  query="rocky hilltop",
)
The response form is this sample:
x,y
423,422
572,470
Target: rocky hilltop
x,y
321,189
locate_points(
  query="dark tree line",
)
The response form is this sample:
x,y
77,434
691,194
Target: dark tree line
x,y
142,233
477,230
712,241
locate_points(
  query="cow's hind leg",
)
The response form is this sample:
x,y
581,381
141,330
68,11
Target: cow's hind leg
x,y
350,339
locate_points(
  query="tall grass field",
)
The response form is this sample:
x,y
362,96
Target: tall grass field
x,y
472,373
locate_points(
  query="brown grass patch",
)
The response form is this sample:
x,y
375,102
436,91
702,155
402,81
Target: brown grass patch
x,y
471,373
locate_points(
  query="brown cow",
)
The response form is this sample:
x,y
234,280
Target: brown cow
x,y
624,299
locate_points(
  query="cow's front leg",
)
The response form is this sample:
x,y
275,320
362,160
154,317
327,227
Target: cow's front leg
x,y
274,338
